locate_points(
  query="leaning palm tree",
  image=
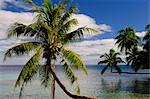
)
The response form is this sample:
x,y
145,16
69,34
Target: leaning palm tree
x,y
127,39
111,59
52,32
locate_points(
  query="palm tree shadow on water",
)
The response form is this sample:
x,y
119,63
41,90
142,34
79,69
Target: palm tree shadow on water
x,y
111,86
142,87
120,88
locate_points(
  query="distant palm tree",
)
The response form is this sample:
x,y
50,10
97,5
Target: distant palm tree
x,y
127,39
133,59
51,32
111,59
140,59
146,48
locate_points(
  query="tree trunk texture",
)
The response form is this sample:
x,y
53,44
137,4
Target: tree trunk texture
x,y
53,88
74,96
53,84
111,69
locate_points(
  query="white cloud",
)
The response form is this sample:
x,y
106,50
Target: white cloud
x,y
87,21
8,17
17,3
105,27
85,48
91,50
141,34
93,47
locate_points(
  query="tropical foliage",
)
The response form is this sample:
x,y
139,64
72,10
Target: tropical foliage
x,y
51,31
135,57
111,59
127,39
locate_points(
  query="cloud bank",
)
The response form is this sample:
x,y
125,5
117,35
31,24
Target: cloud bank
x,y
141,34
85,48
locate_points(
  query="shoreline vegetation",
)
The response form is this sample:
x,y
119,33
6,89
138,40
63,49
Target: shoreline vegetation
x,y
131,73
135,49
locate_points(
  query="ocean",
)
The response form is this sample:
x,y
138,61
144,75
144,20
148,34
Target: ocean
x,y
107,86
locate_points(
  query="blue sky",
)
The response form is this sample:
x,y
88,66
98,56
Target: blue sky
x,y
108,15
116,13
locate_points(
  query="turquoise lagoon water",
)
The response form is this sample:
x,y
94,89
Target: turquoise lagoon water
x,y
107,86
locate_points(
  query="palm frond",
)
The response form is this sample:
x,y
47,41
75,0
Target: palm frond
x,y
116,54
104,69
106,56
29,71
45,76
119,60
67,26
21,49
68,14
103,62
16,29
21,90
68,71
78,34
74,59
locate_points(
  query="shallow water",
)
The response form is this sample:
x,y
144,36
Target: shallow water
x,y
107,86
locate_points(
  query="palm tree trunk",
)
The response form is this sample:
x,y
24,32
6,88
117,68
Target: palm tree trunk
x,y
53,84
111,69
53,89
74,96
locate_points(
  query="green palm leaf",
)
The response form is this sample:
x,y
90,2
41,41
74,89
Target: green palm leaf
x,y
68,71
103,62
16,29
78,34
66,16
22,49
29,70
74,59
45,76
67,26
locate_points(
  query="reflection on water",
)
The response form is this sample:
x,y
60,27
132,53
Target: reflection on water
x,y
141,86
124,89
107,86
135,86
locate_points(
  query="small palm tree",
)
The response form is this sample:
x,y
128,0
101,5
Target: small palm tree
x,y
51,31
127,39
111,59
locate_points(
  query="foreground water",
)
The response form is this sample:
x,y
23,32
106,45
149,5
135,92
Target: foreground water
x,y
107,86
